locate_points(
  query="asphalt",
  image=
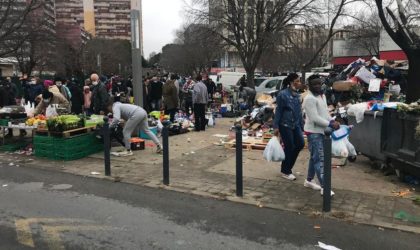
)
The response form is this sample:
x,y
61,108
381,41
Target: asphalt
x,y
64,211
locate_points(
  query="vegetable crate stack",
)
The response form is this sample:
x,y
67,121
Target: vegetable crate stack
x,y
67,149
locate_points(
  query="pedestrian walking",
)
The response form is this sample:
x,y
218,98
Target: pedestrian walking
x,y
317,120
288,123
200,100
135,119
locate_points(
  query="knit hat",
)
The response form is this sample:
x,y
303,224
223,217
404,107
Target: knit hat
x,y
48,83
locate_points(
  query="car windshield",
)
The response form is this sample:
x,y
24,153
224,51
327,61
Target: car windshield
x,y
258,81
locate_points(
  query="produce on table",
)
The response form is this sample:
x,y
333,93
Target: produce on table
x,y
65,122
37,120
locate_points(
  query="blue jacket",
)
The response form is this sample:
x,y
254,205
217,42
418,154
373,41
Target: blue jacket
x,y
288,111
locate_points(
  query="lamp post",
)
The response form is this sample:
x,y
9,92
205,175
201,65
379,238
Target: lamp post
x,y
136,51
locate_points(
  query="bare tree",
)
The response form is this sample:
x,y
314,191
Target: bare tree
x,y
249,26
13,15
194,50
402,25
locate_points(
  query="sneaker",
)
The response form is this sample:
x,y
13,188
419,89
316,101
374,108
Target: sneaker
x,y
289,177
159,149
312,184
125,153
322,192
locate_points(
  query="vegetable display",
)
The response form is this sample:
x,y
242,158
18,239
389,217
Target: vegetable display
x,y
64,123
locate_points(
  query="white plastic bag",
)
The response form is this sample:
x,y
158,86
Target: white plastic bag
x,y
51,111
358,111
350,147
211,122
274,152
339,148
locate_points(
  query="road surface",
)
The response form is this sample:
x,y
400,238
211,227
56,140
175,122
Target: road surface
x,y
50,210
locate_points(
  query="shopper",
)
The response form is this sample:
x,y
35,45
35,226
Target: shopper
x,y
49,98
317,120
136,119
77,98
188,89
200,100
288,123
34,89
87,100
170,98
156,88
64,90
100,96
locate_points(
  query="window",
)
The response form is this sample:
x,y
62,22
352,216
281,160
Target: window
x,y
279,84
271,84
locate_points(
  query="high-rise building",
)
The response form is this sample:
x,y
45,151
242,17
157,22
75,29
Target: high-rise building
x,y
108,19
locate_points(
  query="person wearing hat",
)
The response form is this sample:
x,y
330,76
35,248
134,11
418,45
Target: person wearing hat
x,y
49,98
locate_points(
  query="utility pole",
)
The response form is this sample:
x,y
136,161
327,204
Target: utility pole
x,y
136,50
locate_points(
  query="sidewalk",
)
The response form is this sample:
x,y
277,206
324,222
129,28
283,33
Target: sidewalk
x,y
204,168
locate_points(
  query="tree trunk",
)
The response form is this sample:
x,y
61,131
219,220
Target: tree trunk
x,y
413,81
250,77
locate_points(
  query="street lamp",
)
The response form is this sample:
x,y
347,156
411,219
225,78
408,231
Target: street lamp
x,y
136,51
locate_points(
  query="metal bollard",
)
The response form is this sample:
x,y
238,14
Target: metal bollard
x,y
239,174
327,171
165,142
107,146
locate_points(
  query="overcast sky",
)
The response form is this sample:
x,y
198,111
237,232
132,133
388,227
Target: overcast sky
x,y
160,20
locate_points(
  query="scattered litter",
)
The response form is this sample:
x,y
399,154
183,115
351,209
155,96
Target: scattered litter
x,y
260,205
317,227
5,185
402,194
381,228
181,165
335,166
189,139
192,152
95,173
221,136
327,247
61,187
11,164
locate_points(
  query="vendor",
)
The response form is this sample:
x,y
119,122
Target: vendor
x,y
248,94
136,118
50,98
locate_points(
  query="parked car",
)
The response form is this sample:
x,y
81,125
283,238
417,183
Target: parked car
x,y
269,85
258,80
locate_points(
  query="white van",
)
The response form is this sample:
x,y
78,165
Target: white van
x,y
229,78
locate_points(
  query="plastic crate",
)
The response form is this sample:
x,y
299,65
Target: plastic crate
x,y
13,147
4,122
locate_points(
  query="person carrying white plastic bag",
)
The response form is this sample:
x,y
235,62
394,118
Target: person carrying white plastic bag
x,y
274,151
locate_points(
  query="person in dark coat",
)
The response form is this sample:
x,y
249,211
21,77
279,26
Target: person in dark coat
x,y
156,88
77,98
100,96
170,98
6,94
35,88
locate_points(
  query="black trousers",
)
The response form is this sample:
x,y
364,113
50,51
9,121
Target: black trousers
x,y
200,117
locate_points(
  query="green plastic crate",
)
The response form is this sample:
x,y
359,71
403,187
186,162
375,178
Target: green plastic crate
x,y
4,122
13,147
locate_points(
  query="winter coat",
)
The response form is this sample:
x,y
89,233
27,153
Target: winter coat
x,y
56,99
100,98
156,89
77,98
170,95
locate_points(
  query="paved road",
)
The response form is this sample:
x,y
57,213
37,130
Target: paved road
x,y
50,210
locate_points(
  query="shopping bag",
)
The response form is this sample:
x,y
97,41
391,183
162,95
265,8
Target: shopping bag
x,y
51,111
350,147
273,151
339,148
